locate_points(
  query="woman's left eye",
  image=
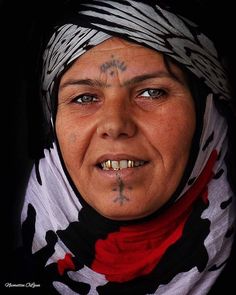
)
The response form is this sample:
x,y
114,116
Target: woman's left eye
x,y
85,99
153,93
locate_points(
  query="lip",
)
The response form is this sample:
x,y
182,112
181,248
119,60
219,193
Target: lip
x,y
126,173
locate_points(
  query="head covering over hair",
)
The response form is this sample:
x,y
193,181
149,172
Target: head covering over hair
x,y
179,250
151,26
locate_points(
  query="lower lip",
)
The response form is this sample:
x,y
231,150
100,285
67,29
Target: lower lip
x,y
124,173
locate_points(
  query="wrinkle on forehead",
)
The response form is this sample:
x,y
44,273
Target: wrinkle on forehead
x,y
118,53
118,62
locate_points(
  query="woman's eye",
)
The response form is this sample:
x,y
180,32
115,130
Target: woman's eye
x,y
153,93
85,99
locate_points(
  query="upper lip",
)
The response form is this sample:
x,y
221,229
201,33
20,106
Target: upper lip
x,y
119,157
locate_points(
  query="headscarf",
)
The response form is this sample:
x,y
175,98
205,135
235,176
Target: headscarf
x,y
181,249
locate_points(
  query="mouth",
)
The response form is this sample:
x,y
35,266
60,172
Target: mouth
x,y
115,165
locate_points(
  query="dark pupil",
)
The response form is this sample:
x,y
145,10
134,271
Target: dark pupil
x,y
153,92
87,98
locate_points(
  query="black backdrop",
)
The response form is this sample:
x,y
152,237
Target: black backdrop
x,y
20,29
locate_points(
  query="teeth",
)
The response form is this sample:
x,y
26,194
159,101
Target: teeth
x,y
123,164
115,165
108,164
118,165
130,164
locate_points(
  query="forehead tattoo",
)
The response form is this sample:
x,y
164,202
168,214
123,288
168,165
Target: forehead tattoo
x,y
109,65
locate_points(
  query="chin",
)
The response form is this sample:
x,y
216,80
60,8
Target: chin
x,y
123,214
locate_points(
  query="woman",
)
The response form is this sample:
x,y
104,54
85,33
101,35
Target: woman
x,y
133,195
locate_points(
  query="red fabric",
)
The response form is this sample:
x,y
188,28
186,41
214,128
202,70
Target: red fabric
x,y
65,264
135,250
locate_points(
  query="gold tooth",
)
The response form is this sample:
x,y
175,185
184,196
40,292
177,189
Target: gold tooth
x,y
130,164
108,164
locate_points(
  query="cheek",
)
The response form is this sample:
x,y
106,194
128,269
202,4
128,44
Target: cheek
x,y
72,138
171,133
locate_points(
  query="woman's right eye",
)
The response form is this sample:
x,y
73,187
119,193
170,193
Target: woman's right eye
x,y
85,99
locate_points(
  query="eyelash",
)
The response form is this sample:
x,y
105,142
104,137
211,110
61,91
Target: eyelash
x,y
82,96
94,98
161,93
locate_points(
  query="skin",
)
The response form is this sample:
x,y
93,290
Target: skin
x,y
107,111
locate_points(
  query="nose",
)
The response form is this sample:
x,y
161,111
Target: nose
x,y
116,120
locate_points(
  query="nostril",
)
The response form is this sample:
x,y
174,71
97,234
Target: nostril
x,y
116,129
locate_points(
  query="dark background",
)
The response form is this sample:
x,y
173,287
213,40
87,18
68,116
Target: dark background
x,y
21,26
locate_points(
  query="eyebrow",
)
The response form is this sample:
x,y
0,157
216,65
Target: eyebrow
x,y
88,82
158,74
132,81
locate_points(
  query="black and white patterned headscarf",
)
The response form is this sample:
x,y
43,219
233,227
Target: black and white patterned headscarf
x,y
70,238
153,27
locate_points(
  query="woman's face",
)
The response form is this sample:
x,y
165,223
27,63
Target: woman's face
x,y
124,125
